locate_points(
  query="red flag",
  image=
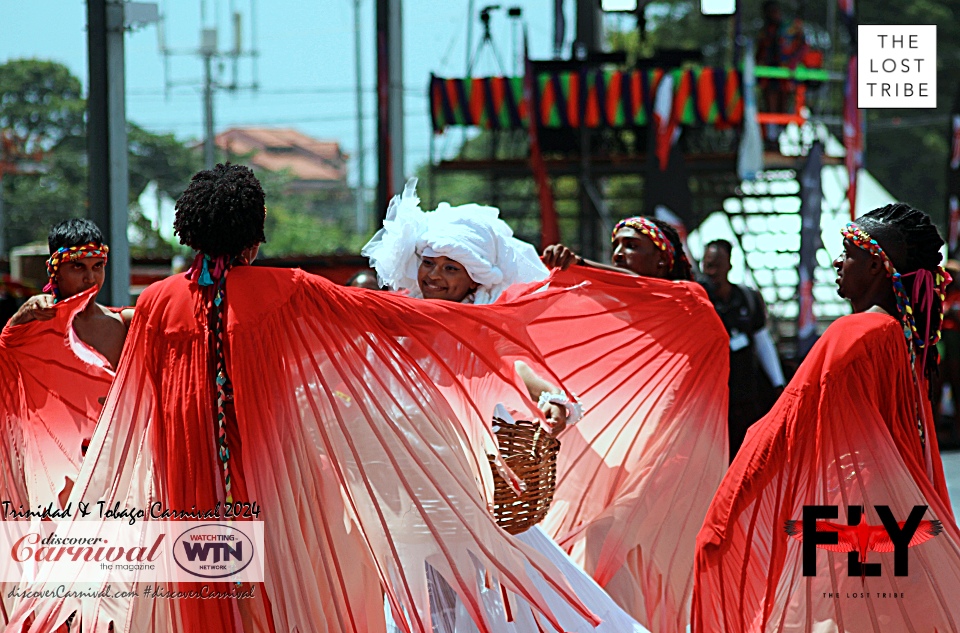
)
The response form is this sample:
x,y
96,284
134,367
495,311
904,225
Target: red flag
x,y
665,119
852,135
549,225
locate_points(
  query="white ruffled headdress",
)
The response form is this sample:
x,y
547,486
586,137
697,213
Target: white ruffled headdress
x,y
472,235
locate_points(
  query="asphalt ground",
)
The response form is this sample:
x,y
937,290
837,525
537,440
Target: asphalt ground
x,y
951,468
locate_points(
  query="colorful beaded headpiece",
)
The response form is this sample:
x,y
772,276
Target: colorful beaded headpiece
x,y
651,230
926,282
70,254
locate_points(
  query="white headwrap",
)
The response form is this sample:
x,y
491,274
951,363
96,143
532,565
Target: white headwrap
x,y
472,235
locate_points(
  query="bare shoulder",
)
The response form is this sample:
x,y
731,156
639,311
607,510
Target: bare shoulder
x,y
112,320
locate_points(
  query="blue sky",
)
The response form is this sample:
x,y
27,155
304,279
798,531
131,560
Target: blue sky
x,y
306,69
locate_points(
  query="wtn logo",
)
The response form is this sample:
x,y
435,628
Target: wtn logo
x,y
858,538
214,551
221,551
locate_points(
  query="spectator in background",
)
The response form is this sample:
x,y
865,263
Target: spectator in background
x,y
753,357
8,303
364,279
950,356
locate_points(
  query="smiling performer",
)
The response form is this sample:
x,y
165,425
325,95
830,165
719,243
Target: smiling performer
x,y
636,475
854,430
468,255
351,417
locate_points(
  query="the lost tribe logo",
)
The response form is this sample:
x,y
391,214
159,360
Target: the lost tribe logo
x,y
858,537
213,551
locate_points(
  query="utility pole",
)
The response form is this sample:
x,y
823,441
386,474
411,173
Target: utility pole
x,y
362,216
107,142
589,38
210,54
589,27
208,50
390,170
107,21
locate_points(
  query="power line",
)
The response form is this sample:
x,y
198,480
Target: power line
x,y
289,91
336,118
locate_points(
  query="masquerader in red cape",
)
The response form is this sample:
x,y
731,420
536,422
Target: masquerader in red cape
x,y
853,428
636,476
357,420
467,254
57,360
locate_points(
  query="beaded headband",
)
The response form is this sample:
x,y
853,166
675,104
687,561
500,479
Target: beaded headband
x,y
70,254
651,230
929,282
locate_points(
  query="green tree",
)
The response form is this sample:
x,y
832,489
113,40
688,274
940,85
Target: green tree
x,y
40,104
294,228
159,158
42,113
41,116
166,161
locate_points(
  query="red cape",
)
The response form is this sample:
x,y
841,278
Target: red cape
x,y
362,418
50,389
649,360
845,432
50,384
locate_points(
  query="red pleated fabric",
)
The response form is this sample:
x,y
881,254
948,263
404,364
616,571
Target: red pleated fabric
x,y
50,386
50,383
362,420
649,359
845,432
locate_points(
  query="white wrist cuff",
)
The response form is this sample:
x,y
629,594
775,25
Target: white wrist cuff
x,y
573,407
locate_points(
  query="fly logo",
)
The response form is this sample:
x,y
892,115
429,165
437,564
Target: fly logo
x,y
858,537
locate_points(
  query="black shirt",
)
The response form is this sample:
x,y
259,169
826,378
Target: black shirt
x,y
742,319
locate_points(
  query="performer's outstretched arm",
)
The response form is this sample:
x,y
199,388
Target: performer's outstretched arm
x,y
539,387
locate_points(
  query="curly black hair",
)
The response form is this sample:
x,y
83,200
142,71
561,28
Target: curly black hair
x,y
222,211
681,265
73,232
912,242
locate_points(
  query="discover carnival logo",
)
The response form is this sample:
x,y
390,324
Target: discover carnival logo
x,y
213,550
120,552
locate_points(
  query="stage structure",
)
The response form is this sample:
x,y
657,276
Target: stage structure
x,y
660,135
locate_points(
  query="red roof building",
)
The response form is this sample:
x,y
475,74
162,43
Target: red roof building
x,y
315,165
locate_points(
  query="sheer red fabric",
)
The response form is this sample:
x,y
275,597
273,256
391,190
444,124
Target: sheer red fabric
x,y
649,360
362,420
845,432
51,384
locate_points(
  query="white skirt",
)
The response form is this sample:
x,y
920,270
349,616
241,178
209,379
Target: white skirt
x,y
451,616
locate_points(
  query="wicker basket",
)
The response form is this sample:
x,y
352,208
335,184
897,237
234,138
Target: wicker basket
x,y
531,453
